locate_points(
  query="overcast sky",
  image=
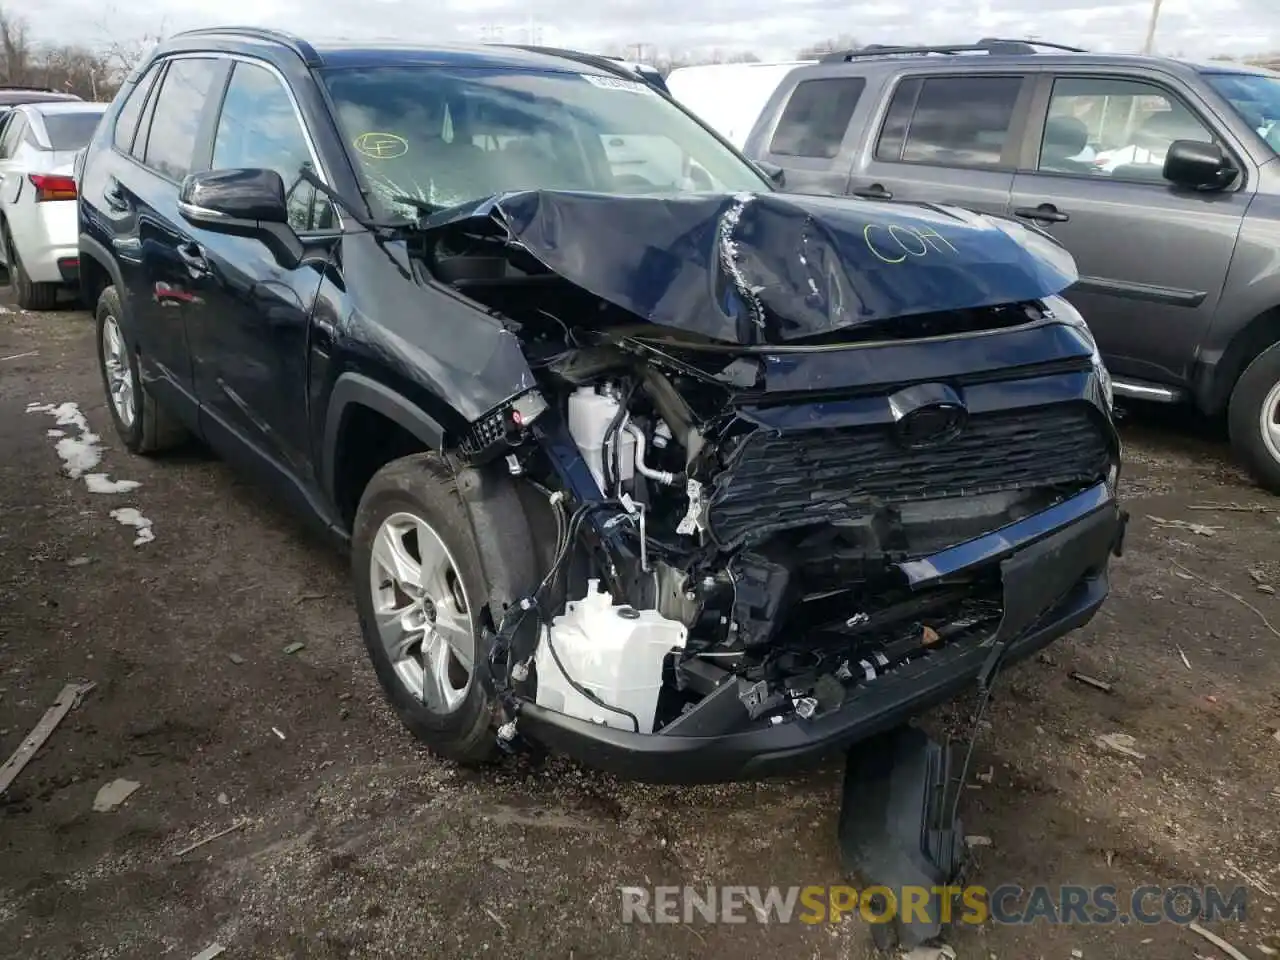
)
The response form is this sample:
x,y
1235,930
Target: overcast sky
x,y
773,29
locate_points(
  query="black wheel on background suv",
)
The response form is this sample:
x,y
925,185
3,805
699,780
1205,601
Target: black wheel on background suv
x,y
28,294
141,423
419,592
1253,417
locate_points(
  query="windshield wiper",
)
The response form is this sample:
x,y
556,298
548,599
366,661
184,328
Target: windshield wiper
x,y
307,174
425,207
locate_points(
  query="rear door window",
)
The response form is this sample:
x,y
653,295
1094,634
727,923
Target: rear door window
x,y
175,123
950,121
816,117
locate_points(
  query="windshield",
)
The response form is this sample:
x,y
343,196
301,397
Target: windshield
x,y
449,135
1256,98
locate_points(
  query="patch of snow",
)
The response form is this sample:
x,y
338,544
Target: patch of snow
x,y
79,454
132,518
101,483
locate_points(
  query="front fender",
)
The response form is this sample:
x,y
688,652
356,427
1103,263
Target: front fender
x,y
356,388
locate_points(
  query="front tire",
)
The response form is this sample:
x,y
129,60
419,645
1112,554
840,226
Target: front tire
x,y
420,594
1253,418
28,294
144,427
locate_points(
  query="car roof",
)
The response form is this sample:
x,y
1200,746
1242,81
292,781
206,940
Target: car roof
x,y
492,56
951,62
53,107
343,53
14,96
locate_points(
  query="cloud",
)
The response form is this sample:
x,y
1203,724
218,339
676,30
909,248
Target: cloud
x,y
773,29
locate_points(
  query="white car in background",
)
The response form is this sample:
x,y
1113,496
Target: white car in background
x,y
39,236
729,96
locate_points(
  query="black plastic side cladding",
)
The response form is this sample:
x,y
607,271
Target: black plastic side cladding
x,y
355,388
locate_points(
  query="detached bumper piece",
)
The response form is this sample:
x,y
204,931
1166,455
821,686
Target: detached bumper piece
x,y
898,829
1054,578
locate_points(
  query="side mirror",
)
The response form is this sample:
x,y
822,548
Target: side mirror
x,y
774,173
1199,165
243,203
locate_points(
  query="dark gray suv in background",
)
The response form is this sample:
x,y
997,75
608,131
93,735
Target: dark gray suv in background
x,y
1160,177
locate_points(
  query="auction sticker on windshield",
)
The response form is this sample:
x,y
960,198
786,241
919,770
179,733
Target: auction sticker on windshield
x,y
617,83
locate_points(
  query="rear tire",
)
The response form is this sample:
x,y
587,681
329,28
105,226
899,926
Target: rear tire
x,y
144,427
28,294
411,513
1253,418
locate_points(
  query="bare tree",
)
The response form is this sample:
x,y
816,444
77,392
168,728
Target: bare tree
x,y
123,55
15,48
94,73
76,70
813,51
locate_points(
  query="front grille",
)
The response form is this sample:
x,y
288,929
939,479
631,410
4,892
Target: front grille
x,y
795,477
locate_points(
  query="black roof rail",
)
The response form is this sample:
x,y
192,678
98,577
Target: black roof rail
x,y
299,46
996,41
989,45
29,88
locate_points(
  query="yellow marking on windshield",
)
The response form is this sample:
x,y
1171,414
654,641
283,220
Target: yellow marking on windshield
x,y
381,146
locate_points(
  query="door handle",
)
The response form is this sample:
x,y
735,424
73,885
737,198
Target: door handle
x,y
1046,212
191,254
874,192
114,198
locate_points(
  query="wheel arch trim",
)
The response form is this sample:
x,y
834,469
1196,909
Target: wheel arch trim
x,y
355,389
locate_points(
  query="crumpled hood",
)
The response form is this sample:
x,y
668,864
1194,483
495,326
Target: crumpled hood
x,y
772,267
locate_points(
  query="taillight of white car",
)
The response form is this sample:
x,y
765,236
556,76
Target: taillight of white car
x,y
52,186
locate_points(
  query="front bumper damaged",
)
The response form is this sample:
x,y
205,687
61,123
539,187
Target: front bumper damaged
x,y
1054,573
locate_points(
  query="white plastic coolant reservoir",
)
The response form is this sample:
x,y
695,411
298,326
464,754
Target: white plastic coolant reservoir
x,y
590,414
616,652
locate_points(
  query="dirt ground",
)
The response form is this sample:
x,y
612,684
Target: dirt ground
x,y
355,843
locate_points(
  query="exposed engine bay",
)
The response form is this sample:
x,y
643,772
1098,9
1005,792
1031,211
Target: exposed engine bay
x,y
731,490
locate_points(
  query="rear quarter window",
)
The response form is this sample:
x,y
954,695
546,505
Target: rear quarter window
x,y
816,117
127,119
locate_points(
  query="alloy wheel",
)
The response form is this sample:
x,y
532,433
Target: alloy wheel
x,y
1269,422
120,385
422,612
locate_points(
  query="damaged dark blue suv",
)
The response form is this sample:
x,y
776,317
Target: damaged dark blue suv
x,y
637,459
